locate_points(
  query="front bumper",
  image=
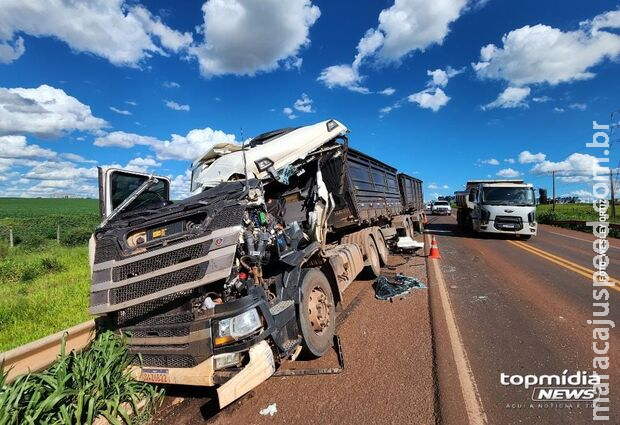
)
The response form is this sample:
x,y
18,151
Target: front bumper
x,y
260,367
490,227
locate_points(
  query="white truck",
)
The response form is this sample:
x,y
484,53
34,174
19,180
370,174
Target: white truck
x,y
498,206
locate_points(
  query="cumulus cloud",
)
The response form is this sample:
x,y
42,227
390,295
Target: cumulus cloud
x,y
578,106
541,99
304,104
526,157
490,161
122,139
512,97
123,33
288,112
193,144
431,98
542,54
142,165
509,160
244,37
18,147
576,168
180,185
170,85
508,173
406,26
176,106
440,77
44,111
344,76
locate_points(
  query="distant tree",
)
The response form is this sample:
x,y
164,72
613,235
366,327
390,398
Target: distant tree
x,y
542,196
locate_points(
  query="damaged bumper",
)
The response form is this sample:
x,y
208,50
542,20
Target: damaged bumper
x,y
260,366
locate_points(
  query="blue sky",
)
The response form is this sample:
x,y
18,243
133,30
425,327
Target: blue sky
x,y
446,90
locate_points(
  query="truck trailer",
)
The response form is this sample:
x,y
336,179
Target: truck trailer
x,y
222,287
497,206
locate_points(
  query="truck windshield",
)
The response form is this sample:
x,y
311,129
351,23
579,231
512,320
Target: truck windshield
x,y
519,196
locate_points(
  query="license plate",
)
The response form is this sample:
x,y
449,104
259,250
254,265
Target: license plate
x,y
509,226
159,376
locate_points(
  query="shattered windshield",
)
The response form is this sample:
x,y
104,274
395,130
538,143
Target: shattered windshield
x,y
518,196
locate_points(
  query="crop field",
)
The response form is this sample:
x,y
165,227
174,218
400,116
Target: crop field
x,y
43,284
565,212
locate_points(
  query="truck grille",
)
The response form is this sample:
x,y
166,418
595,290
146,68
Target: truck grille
x,y
177,360
157,283
508,223
157,262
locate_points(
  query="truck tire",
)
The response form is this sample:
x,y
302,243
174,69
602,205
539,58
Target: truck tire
x,y
317,314
382,248
372,255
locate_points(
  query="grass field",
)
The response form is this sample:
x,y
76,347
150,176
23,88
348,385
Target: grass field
x,y
44,285
563,212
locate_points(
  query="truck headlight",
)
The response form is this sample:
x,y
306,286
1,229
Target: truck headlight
x,y
234,328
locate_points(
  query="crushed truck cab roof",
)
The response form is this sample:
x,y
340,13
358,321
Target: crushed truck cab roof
x,y
264,155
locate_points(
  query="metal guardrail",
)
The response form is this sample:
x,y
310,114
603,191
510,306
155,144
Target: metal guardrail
x,y
37,355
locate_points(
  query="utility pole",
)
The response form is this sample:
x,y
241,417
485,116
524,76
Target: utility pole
x,y
613,194
553,173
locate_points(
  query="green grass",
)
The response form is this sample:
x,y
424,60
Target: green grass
x,y
36,207
42,292
80,387
566,212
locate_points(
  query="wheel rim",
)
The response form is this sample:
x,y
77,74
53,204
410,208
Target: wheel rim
x,y
318,310
374,255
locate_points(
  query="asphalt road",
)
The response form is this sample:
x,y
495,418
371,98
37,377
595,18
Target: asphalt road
x,y
520,308
388,376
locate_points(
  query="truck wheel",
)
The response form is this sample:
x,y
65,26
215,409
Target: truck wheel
x,y
317,315
382,249
372,255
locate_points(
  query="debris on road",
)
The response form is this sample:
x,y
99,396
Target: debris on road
x,y
269,410
406,243
399,286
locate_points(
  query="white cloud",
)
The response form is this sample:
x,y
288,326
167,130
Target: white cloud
x,y
120,32
541,99
247,36
432,98
542,54
578,106
304,104
440,78
18,147
558,109
170,85
490,161
406,26
289,113
44,111
119,111
122,139
433,186
190,146
343,76
131,102
526,157
76,158
576,168
388,91
509,160
410,25
65,171
142,165
176,106
508,173
180,185
512,97
11,50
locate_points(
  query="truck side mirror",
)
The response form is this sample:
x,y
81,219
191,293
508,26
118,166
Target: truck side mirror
x,y
472,196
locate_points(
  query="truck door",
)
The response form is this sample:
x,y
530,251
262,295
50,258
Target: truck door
x,y
116,186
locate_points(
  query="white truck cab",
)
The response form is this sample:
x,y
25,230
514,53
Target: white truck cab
x,y
498,206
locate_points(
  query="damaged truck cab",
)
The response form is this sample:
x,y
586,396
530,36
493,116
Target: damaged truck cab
x,y
222,287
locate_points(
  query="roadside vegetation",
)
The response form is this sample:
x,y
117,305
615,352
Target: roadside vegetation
x,y
79,388
578,212
44,285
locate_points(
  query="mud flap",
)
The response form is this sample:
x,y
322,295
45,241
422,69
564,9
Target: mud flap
x,y
258,370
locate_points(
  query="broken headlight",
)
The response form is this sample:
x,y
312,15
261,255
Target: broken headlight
x,y
235,328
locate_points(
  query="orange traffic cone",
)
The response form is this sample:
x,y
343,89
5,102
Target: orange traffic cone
x,y
434,252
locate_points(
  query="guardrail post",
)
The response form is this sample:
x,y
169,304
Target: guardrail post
x,y
11,237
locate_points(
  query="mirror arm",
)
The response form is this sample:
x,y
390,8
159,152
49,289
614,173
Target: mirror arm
x,y
152,180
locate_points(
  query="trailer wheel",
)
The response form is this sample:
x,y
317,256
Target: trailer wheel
x,y
372,254
382,249
317,314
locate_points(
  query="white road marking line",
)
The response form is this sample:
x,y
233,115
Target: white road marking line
x,y
471,396
574,237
